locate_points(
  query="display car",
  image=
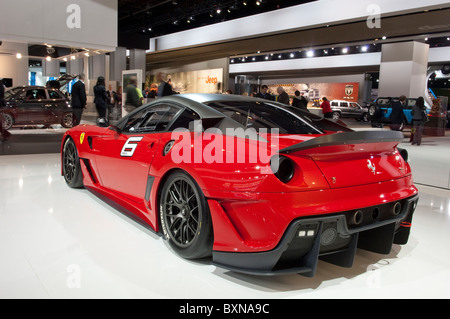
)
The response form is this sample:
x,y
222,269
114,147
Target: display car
x,y
380,110
261,187
349,109
36,105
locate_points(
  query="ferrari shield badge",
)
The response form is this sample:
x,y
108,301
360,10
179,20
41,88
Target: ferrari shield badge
x,y
82,138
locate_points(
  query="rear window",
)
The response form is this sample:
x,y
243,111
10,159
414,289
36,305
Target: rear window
x,y
266,116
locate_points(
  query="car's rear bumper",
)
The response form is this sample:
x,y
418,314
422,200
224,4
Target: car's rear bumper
x,y
332,238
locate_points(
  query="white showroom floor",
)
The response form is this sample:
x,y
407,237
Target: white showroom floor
x,y
57,242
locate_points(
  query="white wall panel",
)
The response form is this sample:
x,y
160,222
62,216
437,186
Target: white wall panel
x,y
78,23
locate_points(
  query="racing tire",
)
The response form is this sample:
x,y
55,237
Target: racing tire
x,y
71,165
67,120
185,218
8,121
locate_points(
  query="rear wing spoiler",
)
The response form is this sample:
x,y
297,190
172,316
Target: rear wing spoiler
x,y
347,138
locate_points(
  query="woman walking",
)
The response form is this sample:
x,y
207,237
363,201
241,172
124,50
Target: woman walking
x,y
419,118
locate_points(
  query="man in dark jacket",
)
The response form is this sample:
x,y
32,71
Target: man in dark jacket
x,y
397,114
264,94
283,97
78,99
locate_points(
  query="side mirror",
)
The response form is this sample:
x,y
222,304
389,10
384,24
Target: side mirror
x,y
102,122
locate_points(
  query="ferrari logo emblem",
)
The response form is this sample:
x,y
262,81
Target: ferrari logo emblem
x,y
371,166
81,138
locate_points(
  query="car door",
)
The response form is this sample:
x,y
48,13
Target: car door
x,y
31,110
123,156
51,111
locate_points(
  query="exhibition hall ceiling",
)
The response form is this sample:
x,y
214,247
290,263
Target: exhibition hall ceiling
x,y
160,17
412,26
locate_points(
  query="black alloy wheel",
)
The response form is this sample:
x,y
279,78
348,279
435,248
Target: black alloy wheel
x,y
71,165
185,217
67,120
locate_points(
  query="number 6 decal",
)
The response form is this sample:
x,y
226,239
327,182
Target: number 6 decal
x,y
130,146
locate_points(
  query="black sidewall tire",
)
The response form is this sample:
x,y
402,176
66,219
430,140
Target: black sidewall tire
x,y
77,180
201,245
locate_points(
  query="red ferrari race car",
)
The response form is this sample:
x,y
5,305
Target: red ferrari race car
x,y
261,187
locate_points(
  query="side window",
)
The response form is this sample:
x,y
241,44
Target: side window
x,y
182,121
151,119
53,95
344,104
334,104
36,94
354,105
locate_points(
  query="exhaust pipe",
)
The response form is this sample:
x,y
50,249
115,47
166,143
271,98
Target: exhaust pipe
x,y
357,217
396,209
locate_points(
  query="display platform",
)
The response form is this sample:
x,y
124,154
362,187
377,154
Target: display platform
x,y
58,242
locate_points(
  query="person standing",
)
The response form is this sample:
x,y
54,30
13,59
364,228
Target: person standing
x,y
419,118
283,97
264,94
300,101
397,114
78,100
132,96
100,97
164,88
326,108
112,99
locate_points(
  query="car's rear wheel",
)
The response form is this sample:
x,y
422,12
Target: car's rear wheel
x,y
336,115
185,217
67,120
8,121
71,165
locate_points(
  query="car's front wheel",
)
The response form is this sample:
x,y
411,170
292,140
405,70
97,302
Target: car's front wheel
x,y
8,121
71,165
185,217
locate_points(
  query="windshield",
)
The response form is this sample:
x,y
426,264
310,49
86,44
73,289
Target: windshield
x,y
259,115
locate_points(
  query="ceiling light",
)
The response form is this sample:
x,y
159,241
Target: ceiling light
x,y
218,11
364,48
291,55
19,55
310,53
345,50
384,37
48,58
258,3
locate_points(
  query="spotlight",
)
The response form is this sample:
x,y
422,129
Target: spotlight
x,y
310,53
345,50
364,48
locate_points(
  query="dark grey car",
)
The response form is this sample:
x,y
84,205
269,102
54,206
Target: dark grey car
x,y
36,105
